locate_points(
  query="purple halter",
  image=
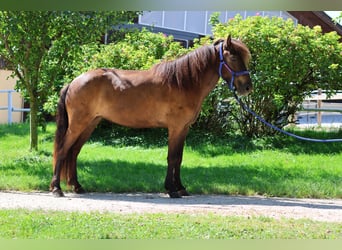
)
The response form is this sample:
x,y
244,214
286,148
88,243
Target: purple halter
x,y
232,72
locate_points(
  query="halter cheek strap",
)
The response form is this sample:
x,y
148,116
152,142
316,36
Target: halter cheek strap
x,y
232,72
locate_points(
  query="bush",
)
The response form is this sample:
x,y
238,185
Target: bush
x,y
288,62
138,50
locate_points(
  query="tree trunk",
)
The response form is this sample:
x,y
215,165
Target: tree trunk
x,y
33,124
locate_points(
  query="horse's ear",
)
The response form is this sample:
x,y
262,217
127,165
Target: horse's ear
x,y
229,43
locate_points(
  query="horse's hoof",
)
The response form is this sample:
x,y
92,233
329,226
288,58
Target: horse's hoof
x,y
174,195
79,190
57,192
183,192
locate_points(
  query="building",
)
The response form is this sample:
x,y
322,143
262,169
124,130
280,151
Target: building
x,y
313,18
7,83
187,25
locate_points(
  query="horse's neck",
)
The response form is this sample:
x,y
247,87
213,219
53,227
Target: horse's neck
x,y
209,82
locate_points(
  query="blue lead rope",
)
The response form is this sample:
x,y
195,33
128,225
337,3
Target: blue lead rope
x,y
281,130
232,88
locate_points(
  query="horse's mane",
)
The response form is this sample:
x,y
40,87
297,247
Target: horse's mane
x,y
187,69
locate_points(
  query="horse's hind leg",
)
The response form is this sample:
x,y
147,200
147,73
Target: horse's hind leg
x,y
65,157
60,161
72,178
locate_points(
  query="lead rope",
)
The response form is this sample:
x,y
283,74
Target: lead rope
x,y
233,89
278,129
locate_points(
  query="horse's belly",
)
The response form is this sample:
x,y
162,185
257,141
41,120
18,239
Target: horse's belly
x,y
144,106
142,116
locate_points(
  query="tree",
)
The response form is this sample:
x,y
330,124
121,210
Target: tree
x,y
37,45
339,18
139,49
289,61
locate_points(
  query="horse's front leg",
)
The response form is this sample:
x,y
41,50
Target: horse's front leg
x,y
173,183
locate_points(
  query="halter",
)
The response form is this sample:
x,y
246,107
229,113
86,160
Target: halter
x,y
232,72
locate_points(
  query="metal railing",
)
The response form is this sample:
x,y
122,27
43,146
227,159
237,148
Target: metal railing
x,y
10,107
316,100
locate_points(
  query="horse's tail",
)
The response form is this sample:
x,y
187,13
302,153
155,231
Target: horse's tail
x,y
62,126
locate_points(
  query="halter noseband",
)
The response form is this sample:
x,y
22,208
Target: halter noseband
x,y
232,72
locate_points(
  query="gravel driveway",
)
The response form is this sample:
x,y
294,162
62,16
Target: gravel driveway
x,y
314,209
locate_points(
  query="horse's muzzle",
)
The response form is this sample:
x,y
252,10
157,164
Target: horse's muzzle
x,y
244,88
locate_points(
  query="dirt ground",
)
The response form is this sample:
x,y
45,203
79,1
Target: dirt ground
x,y
247,206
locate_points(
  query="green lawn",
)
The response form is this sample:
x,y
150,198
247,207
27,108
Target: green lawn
x,y
135,161
23,224
120,160
123,160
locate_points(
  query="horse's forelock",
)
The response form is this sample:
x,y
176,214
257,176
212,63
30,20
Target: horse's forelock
x,y
242,50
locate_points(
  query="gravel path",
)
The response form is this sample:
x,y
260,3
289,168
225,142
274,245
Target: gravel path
x,y
314,209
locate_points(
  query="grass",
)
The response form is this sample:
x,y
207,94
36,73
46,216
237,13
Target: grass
x,y
25,224
121,160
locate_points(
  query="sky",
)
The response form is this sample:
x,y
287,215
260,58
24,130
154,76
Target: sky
x,y
334,14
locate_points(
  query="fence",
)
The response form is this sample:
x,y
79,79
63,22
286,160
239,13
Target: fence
x,y
315,107
317,99
10,107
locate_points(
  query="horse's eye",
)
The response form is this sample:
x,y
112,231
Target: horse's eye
x,y
233,57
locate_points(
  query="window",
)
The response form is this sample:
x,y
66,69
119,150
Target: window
x,y
198,21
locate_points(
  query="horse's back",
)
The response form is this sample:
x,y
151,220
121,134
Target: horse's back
x,y
117,96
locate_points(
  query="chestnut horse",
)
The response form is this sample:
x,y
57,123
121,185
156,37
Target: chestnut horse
x,y
168,95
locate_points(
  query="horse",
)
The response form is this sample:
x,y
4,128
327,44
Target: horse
x,y
168,95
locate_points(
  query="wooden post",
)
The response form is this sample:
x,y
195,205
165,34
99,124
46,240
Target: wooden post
x,y
319,105
9,107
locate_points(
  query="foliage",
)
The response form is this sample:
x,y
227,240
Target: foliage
x,y
38,44
137,50
288,62
338,19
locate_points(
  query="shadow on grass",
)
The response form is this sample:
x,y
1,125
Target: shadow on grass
x,y
20,129
296,146
209,144
204,142
211,200
122,176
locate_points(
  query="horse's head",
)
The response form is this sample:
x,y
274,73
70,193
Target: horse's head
x,y
234,57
